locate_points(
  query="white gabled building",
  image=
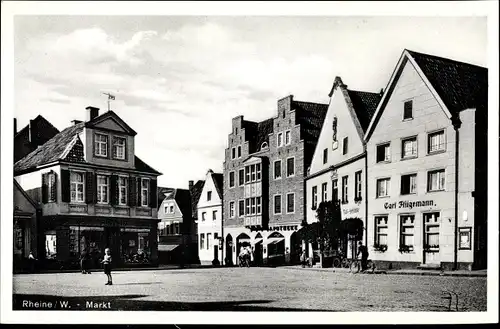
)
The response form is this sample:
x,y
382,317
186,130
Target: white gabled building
x,y
209,209
338,167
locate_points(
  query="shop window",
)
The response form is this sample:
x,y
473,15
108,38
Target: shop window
x,y
435,180
407,231
436,142
381,229
50,245
409,148
409,184
431,231
383,186
384,152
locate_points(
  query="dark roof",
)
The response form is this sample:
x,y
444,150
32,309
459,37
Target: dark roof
x,y
195,196
264,128
310,116
161,193
460,85
365,104
54,149
29,195
41,131
183,199
218,182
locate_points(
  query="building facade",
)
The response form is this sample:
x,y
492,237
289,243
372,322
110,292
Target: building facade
x,y
427,148
176,229
33,135
95,193
264,169
209,221
338,167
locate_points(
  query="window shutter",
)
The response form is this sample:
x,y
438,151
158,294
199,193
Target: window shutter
x,y
44,188
94,187
132,191
113,193
65,186
153,198
53,190
139,194
89,187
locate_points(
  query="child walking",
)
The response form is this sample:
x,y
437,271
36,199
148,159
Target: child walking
x,y
107,266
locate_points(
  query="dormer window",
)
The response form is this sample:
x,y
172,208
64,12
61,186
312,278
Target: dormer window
x,y
101,145
119,148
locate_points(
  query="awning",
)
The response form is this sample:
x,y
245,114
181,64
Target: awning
x,y
167,247
275,240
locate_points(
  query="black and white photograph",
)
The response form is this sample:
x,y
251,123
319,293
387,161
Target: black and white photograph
x,y
244,163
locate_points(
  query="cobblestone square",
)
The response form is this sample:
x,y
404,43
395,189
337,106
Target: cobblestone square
x,y
249,289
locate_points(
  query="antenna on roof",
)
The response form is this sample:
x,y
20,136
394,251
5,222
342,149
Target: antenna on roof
x,y
110,98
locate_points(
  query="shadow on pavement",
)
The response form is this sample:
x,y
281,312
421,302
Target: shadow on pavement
x,y
130,303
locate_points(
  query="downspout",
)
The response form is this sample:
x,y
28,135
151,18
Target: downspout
x,y
366,198
456,126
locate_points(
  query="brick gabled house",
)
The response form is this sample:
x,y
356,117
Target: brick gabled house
x,y
94,192
264,169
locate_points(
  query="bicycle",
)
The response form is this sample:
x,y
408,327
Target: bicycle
x,y
355,266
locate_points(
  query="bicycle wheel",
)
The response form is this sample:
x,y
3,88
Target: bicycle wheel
x,y
337,262
355,267
345,263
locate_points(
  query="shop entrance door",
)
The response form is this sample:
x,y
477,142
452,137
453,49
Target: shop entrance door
x,y
431,239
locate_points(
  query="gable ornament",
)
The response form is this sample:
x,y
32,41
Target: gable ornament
x,y
335,143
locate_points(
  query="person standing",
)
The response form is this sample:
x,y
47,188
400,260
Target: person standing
x,y
84,261
107,265
364,255
32,260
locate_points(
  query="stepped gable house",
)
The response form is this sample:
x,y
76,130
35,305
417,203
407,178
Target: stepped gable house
x,y
427,166
264,169
95,192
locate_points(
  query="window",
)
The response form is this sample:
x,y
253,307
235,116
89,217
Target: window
x,y
202,241
231,209
290,167
277,169
258,170
290,203
381,229
264,146
172,209
409,184
344,146
247,174
324,193
209,195
407,230
253,173
145,192
409,148
102,189
383,187
408,110
431,230
51,187
325,156
231,179
280,139
177,228
101,145
122,191
259,205
288,137
384,152
239,151
241,177
277,204
358,184
77,186
203,216
252,205
335,190
435,180
209,241
314,195
241,208
214,213
247,206
345,194
119,148
233,154
436,142
465,235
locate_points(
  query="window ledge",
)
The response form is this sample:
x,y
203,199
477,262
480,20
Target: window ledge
x,y
407,194
383,197
383,162
409,157
436,191
407,119
436,152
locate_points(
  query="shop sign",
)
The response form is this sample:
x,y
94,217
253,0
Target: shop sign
x,y
350,211
409,204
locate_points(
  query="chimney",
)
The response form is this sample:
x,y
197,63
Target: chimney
x,y
30,132
191,184
92,112
75,122
15,126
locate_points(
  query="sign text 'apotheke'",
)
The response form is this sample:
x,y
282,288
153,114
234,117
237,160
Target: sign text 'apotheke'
x,y
409,204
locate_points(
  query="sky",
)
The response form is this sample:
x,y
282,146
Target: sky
x,y
179,80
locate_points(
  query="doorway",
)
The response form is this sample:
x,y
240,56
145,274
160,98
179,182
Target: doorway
x,y
431,248
229,250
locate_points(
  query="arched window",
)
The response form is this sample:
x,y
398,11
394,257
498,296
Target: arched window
x,y
264,146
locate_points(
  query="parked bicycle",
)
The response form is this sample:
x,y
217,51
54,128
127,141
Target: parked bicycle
x,y
355,266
